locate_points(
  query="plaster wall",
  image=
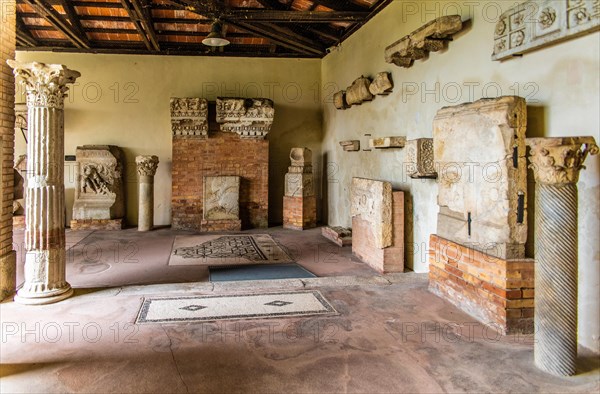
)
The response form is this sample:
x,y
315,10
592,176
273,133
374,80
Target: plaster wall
x,y
561,85
124,100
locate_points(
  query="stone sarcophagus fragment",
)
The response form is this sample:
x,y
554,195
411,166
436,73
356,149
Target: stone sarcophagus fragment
x,y
189,116
479,152
419,158
538,23
430,37
248,117
299,201
377,224
221,203
99,200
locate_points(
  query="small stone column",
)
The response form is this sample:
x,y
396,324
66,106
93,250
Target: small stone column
x,y
146,167
299,201
556,163
46,88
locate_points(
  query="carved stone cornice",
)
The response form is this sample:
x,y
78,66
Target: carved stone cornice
x,y
558,160
189,116
146,165
45,84
249,118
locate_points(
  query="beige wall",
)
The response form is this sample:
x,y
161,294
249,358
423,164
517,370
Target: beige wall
x,y
561,84
124,100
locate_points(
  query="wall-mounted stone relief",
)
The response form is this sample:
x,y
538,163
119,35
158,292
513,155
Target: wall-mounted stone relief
x,y
387,142
350,145
538,23
363,89
430,37
359,91
248,117
382,84
221,198
419,158
479,153
189,116
99,199
339,100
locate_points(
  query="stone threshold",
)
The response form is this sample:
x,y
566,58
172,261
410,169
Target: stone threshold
x,y
411,278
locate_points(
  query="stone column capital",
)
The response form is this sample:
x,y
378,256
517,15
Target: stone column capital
x,y
45,83
146,165
558,160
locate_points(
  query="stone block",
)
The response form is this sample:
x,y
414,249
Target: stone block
x,y
350,145
387,142
419,158
248,117
299,185
366,242
189,116
371,200
99,183
382,84
479,152
221,198
341,236
339,100
538,23
359,91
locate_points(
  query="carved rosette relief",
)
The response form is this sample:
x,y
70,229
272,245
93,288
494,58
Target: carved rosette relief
x,y
189,116
146,165
559,160
249,118
537,23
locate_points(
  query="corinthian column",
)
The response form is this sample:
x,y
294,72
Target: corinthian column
x,y
556,163
146,167
46,88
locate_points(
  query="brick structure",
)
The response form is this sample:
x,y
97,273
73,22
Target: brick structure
x,y
220,154
7,138
97,224
365,245
299,213
496,291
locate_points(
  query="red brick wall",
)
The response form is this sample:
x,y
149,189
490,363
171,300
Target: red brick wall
x,y
220,154
299,213
495,291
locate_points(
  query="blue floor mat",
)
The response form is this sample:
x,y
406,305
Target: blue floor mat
x,y
258,272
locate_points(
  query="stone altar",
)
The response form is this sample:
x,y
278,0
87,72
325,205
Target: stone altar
x,y
479,152
378,224
99,199
299,201
221,203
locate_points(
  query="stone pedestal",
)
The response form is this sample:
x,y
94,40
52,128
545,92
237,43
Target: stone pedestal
x,y
45,231
146,168
99,198
299,201
378,224
556,163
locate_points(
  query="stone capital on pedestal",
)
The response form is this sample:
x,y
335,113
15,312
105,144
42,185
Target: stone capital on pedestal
x,y
146,165
45,83
558,160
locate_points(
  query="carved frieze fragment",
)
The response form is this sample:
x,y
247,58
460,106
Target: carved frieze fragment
x,y
538,23
359,91
189,116
248,117
419,157
382,84
387,142
221,198
339,100
371,200
430,37
350,145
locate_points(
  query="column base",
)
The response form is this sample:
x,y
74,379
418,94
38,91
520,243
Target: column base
x,y
50,297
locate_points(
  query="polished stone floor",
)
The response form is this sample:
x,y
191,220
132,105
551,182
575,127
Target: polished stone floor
x,y
391,335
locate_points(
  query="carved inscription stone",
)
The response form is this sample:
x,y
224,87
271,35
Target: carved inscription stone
x,y
538,23
189,116
419,158
479,152
99,186
372,202
221,198
430,37
248,117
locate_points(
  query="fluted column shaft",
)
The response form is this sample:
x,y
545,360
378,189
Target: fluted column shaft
x,y
556,163
146,166
45,280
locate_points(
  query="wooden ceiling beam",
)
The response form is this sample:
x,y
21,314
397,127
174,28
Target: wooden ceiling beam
x,y
46,11
23,33
73,17
340,5
145,16
134,18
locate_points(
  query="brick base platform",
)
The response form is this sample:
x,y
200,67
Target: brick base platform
x,y
390,259
220,225
299,213
97,224
495,291
18,222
